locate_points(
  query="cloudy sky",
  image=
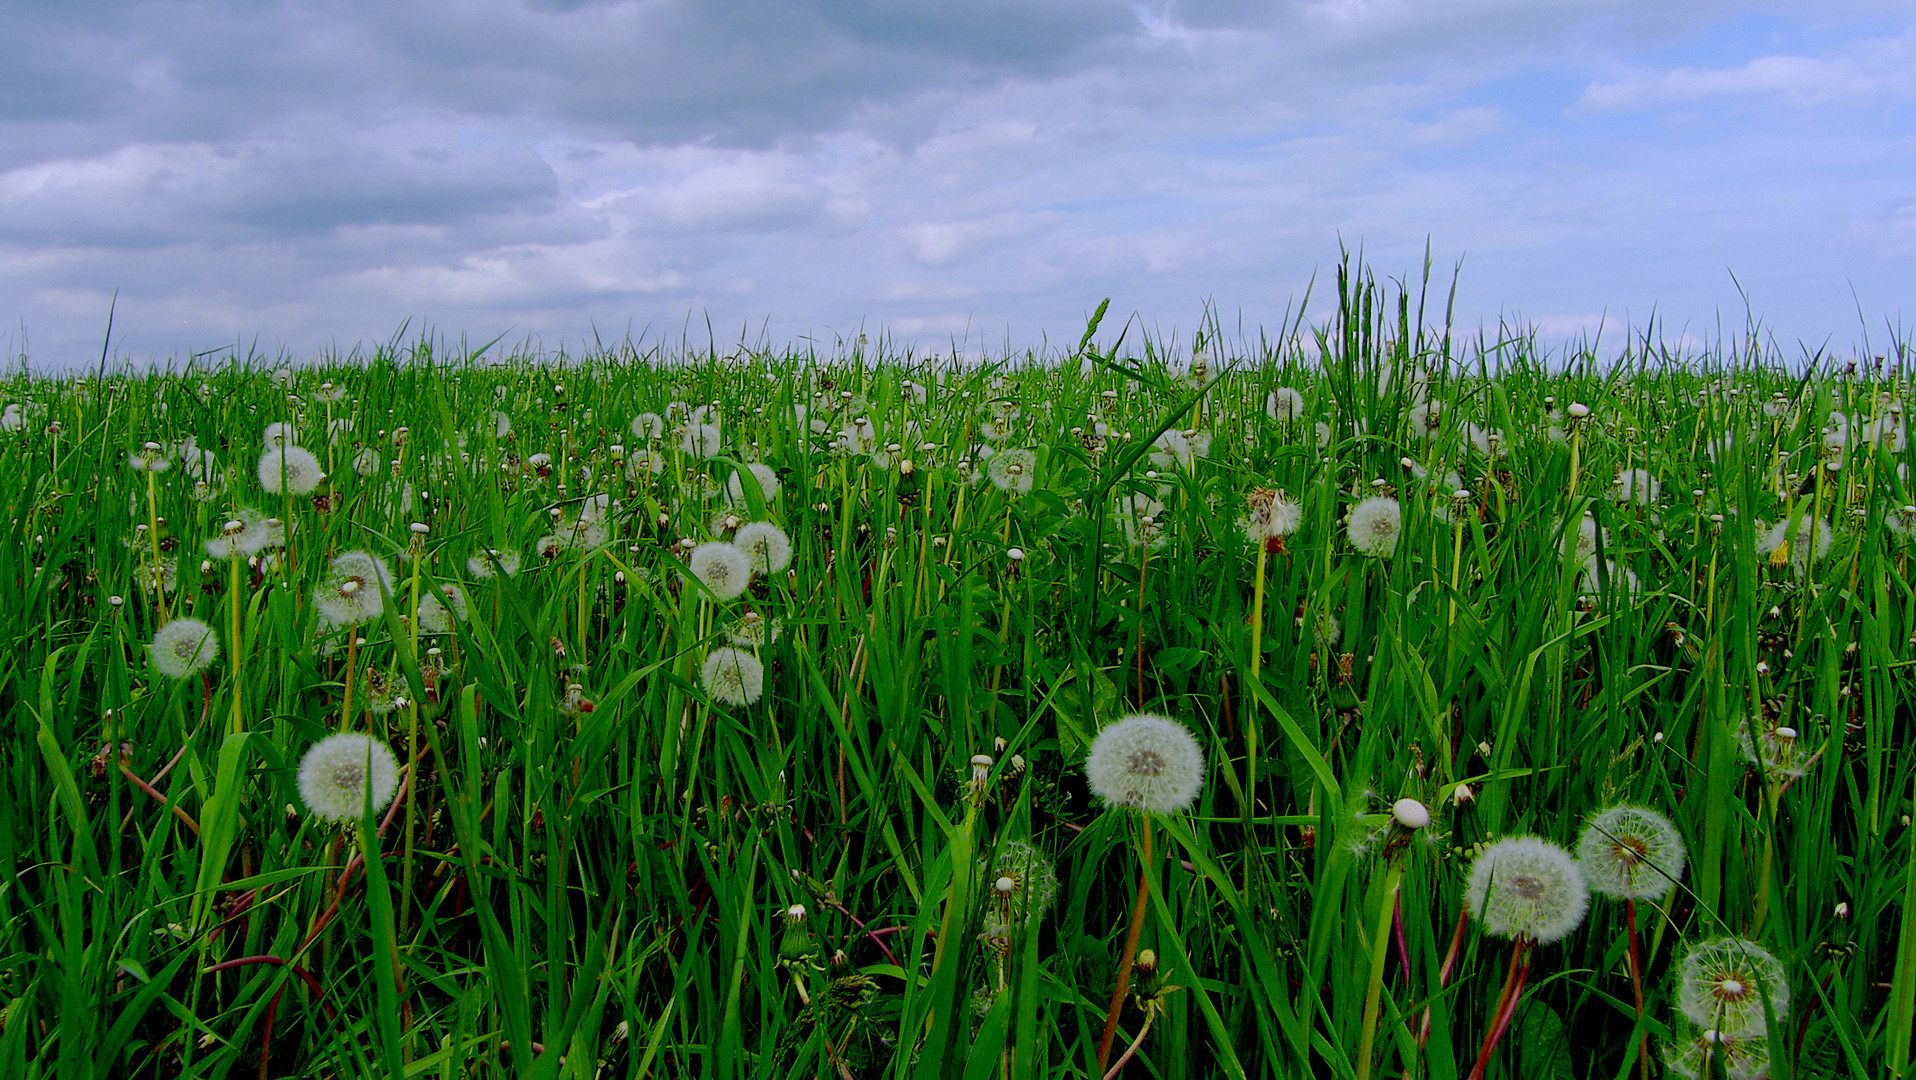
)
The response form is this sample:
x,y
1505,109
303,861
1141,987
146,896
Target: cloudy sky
x,y
307,174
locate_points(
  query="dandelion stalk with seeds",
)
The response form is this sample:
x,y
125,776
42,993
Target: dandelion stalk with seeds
x,y
1153,765
1529,890
1632,853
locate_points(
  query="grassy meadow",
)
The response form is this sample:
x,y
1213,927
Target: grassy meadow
x,y
634,789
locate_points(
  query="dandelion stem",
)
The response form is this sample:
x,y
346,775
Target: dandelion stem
x,y
237,664
1506,1004
1379,952
1130,953
1636,988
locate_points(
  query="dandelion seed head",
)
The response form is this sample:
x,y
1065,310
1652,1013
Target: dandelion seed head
x,y
342,774
769,549
1631,853
183,647
1374,525
724,568
733,676
1148,762
1527,886
1722,984
289,470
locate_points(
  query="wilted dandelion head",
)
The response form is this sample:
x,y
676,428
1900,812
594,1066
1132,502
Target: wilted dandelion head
x,y
1013,470
1699,1058
1631,853
1019,886
152,461
1722,983
289,470
1141,517
344,775
1529,887
752,631
724,568
183,647
1148,762
1777,748
733,676
492,562
1374,525
1272,514
1797,542
767,545
349,592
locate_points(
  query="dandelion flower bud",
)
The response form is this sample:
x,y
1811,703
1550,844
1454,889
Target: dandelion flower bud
x,y
1842,910
1578,410
1016,555
1527,886
1722,984
1148,762
1410,813
344,775
183,647
1631,853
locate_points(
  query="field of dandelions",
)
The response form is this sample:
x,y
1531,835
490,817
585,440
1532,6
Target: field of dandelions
x,y
1354,704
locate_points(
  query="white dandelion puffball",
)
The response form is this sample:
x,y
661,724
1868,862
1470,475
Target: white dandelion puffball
x,y
183,647
289,470
437,613
1147,762
767,482
733,677
701,440
345,775
1527,886
1284,404
643,462
280,434
1013,470
648,425
767,544
1721,984
1631,853
724,568
351,591
494,561
1374,525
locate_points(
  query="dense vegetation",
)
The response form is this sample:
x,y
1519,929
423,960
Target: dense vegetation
x,y
657,811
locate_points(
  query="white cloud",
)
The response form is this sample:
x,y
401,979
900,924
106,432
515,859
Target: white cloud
x,y
1867,73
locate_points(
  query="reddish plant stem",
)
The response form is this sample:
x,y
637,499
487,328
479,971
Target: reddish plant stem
x,y
1506,1005
1443,973
1636,988
1125,962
